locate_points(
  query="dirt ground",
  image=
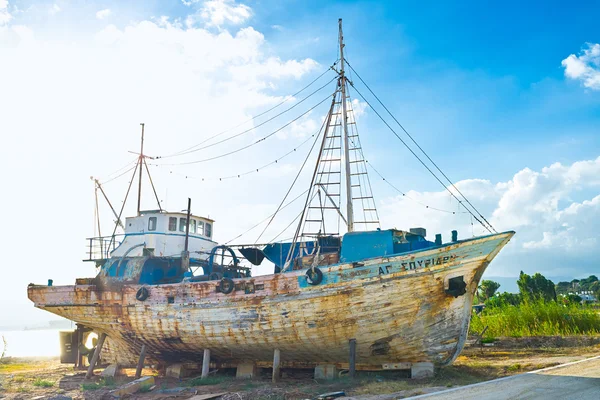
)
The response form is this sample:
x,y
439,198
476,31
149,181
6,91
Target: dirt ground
x,y
48,379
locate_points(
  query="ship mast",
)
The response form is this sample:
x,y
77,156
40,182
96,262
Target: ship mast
x,y
342,85
141,160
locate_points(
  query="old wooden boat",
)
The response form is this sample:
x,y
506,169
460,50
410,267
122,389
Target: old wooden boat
x,y
397,297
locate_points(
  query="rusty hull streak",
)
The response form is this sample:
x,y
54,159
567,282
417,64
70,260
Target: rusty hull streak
x,y
402,316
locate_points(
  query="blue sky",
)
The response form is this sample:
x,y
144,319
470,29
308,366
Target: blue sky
x,y
505,97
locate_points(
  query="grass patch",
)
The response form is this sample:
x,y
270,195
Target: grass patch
x,y
9,367
43,383
383,387
211,380
19,379
102,383
514,368
537,319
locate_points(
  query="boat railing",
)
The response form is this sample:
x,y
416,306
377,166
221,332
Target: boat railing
x,y
99,248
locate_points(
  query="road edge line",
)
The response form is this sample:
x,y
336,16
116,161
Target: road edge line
x,y
423,396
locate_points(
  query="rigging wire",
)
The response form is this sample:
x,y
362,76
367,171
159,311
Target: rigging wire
x,y
419,147
135,160
266,219
417,157
253,170
408,197
294,220
254,143
120,175
287,98
297,234
257,126
297,175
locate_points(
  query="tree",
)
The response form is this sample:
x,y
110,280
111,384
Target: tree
x,y
487,289
536,287
502,299
563,287
571,299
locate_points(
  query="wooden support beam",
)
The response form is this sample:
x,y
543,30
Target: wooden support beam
x,y
79,338
352,366
276,365
140,364
205,364
96,356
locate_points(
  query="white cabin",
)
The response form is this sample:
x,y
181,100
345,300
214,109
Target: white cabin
x,y
162,234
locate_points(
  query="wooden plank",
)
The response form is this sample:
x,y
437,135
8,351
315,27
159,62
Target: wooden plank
x,y
205,364
207,396
140,365
276,365
96,356
309,324
352,369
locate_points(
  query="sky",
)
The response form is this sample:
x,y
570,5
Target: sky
x,y
505,98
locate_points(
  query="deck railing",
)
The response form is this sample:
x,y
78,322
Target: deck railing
x,y
99,248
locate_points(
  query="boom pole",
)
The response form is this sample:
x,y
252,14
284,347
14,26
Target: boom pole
x,y
349,207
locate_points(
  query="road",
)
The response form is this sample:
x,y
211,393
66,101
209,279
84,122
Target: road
x,y
574,381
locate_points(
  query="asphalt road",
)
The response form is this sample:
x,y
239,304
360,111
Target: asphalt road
x,y
573,381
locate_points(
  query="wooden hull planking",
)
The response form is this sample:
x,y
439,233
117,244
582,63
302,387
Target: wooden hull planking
x,y
395,307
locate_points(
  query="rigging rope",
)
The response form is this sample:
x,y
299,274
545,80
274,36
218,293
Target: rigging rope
x,y
297,175
257,126
419,147
287,98
410,198
266,219
253,170
417,157
252,144
120,175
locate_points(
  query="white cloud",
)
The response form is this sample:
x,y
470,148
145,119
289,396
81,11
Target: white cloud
x,y
71,108
5,15
55,9
551,228
219,12
103,13
585,67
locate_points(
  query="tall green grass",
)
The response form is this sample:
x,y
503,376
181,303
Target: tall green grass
x,y
537,319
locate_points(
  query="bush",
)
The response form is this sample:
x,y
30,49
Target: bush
x,y
537,318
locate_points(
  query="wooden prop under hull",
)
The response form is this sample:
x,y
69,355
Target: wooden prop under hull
x,y
397,308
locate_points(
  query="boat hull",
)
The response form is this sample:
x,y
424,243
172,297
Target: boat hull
x,y
397,308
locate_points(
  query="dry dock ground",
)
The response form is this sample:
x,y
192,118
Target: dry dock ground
x,y
47,378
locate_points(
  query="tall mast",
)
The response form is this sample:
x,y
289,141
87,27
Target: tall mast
x,y
349,207
140,165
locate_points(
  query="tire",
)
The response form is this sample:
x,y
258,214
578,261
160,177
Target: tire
x,y
142,294
314,276
226,286
215,276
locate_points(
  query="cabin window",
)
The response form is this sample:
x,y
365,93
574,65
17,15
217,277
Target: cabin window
x,y
152,223
192,226
182,222
200,228
172,223
208,229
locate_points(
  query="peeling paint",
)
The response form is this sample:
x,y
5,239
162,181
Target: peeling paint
x,y
400,315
